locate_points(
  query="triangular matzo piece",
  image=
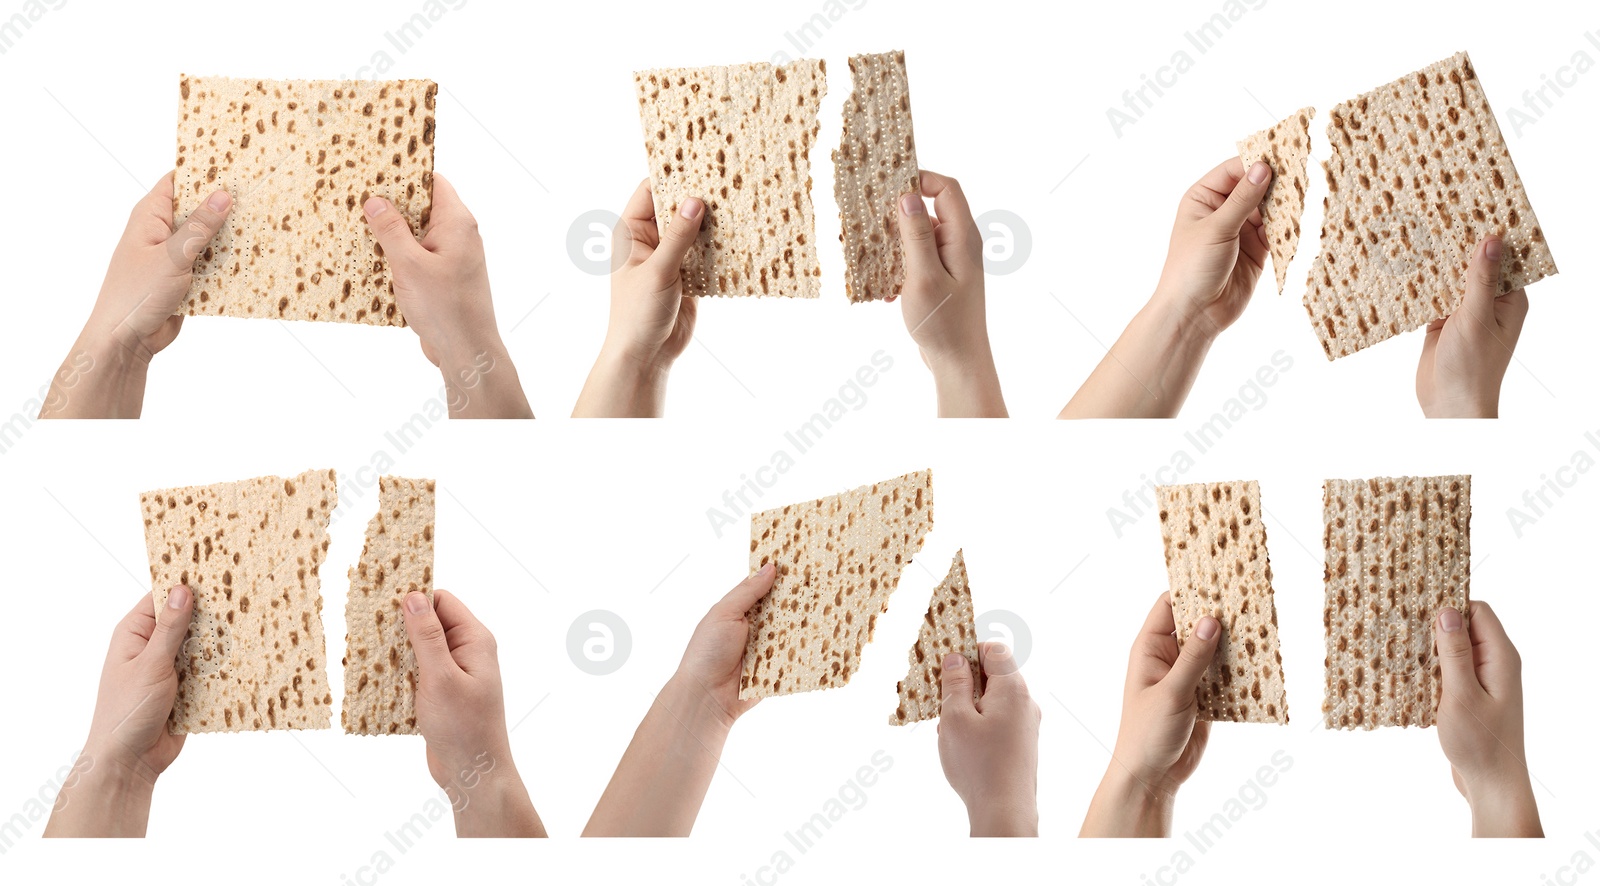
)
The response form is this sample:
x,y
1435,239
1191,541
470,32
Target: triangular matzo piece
x,y
1285,147
838,559
949,626
1398,551
1216,552
875,165
740,139
1419,175
300,158
254,658
380,668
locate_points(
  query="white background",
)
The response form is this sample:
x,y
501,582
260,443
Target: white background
x,y
542,523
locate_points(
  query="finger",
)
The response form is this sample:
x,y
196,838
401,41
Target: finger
x,y
642,205
955,686
1002,676
745,594
172,626
427,636
636,234
1244,199
1194,658
1160,621
1512,310
679,236
153,212
917,240
1499,664
1483,283
392,231
1451,638
132,633
191,236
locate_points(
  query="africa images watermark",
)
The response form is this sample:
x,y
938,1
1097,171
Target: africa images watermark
x,y
37,807
1138,100
1540,499
850,797
1139,501
13,29
404,37
452,799
1196,842
1540,100
1581,862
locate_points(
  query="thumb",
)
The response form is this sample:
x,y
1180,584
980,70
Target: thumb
x,y
427,635
1245,199
916,237
1194,659
1456,665
955,685
1483,282
172,627
195,233
391,230
680,234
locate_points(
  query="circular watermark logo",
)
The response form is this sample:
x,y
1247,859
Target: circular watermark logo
x,y
599,642
1007,242
589,241
1005,626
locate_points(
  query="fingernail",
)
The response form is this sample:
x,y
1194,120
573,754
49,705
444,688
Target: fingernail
x,y
911,205
953,661
765,570
220,201
691,208
178,597
1260,172
1207,628
1493,248
1449,621
375,207
416,604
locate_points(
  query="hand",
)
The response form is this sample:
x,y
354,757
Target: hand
x,y
664,774
1465,356
1161,738
1480,722
1214,260
133,319
944,301
129,745
461,713
652,321
990,751
442,287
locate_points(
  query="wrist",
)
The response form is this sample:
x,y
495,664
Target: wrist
x,y
629,363
1132,806
1463,407
1012,816
967,382
689,702
1177,321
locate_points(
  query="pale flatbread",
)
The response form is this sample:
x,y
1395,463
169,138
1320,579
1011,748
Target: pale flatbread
x,y
949,626
249,551
1217,565
1286,146
1419,175
300,158
838,558
739,138
875,165
380,668
1398,551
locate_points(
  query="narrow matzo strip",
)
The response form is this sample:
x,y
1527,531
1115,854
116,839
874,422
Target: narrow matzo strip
x,y
838,560
948,626
875,165
254,658
1217,565
1419,175
739,138
1397,551
300,158
1285,147
380,668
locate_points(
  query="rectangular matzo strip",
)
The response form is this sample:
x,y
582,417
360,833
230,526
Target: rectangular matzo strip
x,y
380,668
300,158
1420,173
948,626
1216,552
740,139
875,165
838,559
1285,147
1397,551
254,658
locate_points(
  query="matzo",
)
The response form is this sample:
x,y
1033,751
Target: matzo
x,y
740,139
254,656
875,165
1398,551
1285,147
1217,565
948,626
380,668
838,559
1419,175
300,158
